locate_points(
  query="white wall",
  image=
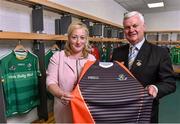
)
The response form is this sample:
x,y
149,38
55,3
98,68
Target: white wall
x,y
163,21
106,9
16,17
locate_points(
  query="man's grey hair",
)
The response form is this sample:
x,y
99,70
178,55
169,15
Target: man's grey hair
x,y
130,14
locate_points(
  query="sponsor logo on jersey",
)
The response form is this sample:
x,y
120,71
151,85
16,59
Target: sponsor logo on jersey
x,y
12,68
29,66
122,77
93,77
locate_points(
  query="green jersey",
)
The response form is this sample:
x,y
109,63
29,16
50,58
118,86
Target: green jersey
x,y
175,55
105,53
20,82
48,55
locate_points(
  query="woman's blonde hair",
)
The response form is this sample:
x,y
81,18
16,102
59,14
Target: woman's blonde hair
x,y
73,26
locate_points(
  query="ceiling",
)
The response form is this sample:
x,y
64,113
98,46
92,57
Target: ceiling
x,y
141,5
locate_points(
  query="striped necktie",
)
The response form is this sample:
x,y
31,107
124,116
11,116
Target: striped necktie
x,y
132,55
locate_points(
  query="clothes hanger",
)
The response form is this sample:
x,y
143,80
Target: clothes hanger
x,y
55,47
178,45
20,48
20,51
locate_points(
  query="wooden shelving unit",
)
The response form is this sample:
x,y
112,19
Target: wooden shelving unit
x,y
48,37
30,36
176,68
163,42
57,8
163,31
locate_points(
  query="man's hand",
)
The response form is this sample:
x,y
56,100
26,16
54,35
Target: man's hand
x,y
152,90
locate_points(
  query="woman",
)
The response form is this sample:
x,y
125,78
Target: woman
x,y
64,69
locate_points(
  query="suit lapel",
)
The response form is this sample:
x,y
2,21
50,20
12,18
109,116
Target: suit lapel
x,y
125,53
142,58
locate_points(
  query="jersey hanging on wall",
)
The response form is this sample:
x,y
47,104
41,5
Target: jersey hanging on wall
x,y
175,55
108,93
20,71
48,55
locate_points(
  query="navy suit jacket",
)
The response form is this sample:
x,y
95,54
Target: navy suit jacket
x,y
151,66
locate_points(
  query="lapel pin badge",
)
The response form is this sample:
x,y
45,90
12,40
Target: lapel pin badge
x,y
139,63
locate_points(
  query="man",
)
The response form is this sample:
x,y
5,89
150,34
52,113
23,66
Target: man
x,y
151,64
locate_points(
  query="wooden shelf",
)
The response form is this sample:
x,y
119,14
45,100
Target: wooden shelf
x,y
106,39
51,119
51,37
165,42
63,9
48,37
176,68
177,71
163,31
29,36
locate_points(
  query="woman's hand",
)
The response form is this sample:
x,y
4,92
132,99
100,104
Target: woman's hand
x,y
59,93
65,98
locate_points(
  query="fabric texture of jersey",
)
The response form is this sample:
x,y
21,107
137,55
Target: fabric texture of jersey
x,y
175,55
110,95
48,55
20,83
